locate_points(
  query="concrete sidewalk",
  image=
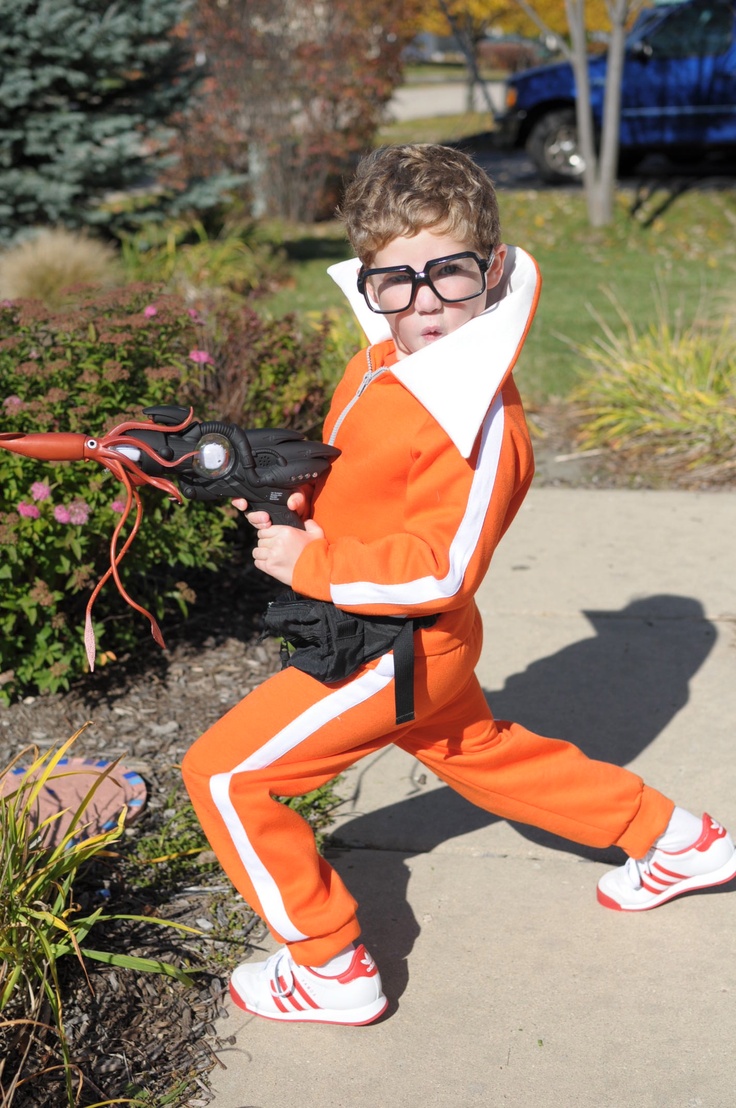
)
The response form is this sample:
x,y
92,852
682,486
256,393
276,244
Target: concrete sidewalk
x,y
610,620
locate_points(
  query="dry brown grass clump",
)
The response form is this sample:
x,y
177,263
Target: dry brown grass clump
x,y
54,261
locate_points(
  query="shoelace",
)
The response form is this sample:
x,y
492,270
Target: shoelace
x,y
274,966
635,867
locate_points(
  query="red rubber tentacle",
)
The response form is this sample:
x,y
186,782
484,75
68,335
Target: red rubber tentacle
x,y
148,425
115,462
146,448
116,559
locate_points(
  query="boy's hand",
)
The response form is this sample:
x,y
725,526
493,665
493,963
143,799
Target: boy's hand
x,y
279,547
298,502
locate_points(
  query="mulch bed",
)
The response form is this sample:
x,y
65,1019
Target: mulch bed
x,y
127,1030
130,1030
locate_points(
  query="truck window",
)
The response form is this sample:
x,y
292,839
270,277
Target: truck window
x,y
694,30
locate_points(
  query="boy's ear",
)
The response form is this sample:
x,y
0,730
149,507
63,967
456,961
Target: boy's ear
x,y
494,277
495,273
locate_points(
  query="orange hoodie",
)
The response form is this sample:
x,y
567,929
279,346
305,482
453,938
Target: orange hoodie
x,y
410,523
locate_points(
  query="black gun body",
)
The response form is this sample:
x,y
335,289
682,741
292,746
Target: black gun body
x,y
265,465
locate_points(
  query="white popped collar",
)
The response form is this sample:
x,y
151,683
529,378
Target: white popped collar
x,y
457,377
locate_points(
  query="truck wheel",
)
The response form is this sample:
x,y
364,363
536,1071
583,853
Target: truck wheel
x,y
553,147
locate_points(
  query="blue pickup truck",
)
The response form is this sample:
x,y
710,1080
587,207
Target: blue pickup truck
x,y
678,93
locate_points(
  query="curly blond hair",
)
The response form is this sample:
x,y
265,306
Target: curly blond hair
x,y
402,190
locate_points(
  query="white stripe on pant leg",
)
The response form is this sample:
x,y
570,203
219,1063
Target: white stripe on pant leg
x,y
286,740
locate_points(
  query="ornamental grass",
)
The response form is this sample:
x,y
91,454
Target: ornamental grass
x,y
664,395
41,923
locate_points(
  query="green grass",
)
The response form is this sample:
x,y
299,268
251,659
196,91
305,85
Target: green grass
x,y
310,250
445,128
686,254
680,244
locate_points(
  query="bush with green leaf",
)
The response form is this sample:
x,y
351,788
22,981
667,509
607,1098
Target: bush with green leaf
x,y
202,262
84,371
265,372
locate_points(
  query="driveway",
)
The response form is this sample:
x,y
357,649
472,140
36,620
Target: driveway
x,y
513,169
441,98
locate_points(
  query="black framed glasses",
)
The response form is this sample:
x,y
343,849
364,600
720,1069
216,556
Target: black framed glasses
x,y
453,279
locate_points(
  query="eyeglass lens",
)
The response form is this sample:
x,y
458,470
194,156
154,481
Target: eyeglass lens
x,y
452,279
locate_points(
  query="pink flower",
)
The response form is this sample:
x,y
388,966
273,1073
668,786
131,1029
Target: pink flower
x,y
12,404
40,490
150,311
118,506
61,514
78,512
201,357
30,511
194,314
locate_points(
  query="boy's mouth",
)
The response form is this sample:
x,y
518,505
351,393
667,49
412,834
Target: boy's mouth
x,y
431,333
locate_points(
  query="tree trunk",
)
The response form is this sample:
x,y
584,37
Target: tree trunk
x,y
608,164
599,177
468,48
583,111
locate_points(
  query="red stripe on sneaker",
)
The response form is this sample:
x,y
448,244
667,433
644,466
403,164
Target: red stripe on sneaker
x,y
280,994
304,994
668,873
278,1001
656,889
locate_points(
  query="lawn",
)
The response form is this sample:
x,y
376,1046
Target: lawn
x,y
666,246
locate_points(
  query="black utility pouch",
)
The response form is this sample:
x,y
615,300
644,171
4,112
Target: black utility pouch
x,y
330,644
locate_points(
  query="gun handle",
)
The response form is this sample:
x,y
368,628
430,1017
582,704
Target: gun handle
x,y
279,513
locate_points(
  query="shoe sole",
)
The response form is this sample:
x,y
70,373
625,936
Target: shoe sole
x,y
721,876
355,1017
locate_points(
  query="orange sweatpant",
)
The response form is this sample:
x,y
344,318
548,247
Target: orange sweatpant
x,y
293,734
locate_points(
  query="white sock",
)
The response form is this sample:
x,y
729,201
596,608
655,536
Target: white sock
x,y
683,830
338,964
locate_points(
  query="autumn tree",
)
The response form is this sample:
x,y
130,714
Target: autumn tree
x,y
471,22
294,92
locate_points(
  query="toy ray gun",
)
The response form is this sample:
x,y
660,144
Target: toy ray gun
x,y
208,461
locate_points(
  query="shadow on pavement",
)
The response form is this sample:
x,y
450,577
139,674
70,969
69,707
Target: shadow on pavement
x,y
611,694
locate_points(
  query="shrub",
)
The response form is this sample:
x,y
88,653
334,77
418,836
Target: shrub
x,y
83,372
202,264
53,261
264,373
665,395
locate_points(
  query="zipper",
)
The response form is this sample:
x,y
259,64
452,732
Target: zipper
x,y
368,376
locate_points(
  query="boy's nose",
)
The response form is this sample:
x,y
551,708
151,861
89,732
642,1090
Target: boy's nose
x,y
425,298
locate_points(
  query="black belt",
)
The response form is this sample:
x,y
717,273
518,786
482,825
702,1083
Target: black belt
x,y
330,644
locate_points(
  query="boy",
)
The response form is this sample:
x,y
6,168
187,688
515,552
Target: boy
x,y
435,461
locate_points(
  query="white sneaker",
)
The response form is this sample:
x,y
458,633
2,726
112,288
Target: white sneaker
x,y
662,875
279,989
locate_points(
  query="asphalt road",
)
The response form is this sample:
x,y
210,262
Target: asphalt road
x,y
512,169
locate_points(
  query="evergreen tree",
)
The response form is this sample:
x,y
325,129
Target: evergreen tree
x,y
86,88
